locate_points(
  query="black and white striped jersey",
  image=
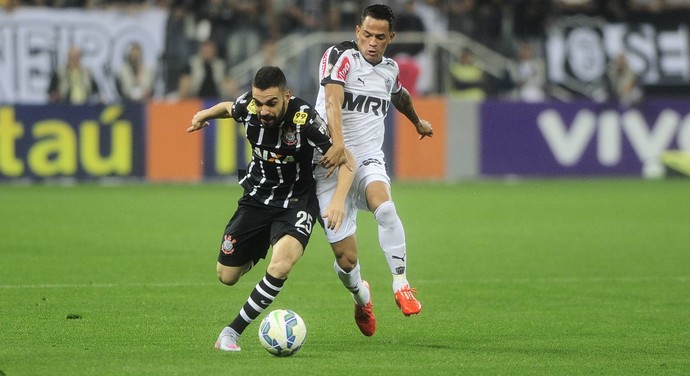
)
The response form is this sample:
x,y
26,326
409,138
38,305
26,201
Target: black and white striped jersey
x,y
280,172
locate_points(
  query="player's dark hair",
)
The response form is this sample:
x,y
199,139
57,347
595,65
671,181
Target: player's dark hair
x,y
379,12
267,77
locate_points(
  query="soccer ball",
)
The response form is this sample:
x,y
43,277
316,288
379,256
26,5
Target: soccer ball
x,y
282,332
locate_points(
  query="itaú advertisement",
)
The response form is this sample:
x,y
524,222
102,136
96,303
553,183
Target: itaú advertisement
x,y
580,138
38,142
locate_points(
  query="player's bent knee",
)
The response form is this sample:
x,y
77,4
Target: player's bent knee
x,y
345,253
386,215
227,275
228,280
279,269
286,252
346,262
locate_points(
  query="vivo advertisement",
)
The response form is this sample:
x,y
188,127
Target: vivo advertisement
x,y
149,142
580,138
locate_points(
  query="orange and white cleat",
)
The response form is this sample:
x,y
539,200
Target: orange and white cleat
x,y
408,304
364,316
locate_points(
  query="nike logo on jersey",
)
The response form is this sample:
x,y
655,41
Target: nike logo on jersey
x,y
366,104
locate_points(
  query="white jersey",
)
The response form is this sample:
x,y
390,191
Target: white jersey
x,y
368,90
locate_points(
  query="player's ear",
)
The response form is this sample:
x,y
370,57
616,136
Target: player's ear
x,y
392,35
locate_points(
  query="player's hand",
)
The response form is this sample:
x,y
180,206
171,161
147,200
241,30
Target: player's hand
x,y
334,215
198,122
424,129
334,157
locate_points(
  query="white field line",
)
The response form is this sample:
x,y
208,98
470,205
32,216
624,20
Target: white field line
x,y
555,280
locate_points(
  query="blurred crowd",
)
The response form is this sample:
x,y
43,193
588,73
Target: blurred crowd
x,y
207,37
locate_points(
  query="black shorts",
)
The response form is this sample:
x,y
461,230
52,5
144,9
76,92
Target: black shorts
x,y
255,227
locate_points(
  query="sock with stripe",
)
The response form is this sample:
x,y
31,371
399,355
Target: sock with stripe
x,y
260,298
353,283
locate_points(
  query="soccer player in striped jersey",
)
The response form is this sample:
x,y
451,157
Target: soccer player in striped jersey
x,y
358,85
279,204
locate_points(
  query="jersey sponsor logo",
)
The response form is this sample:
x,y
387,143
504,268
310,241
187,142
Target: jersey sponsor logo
x,y
325,67
360,79
272,157
289,137
365,104
300,118
251,107
344,69
228,246
369,161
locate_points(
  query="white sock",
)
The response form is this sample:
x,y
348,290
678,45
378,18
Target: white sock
x,y
353,282
392,241
399,281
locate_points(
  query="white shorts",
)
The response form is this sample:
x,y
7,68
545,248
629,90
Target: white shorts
x,y
369,169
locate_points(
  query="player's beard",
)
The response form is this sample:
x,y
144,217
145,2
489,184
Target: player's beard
x,y
270,121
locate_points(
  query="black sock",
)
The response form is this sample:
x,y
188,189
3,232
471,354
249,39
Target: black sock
x,y
260,298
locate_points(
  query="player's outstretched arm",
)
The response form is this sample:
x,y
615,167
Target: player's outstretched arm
x,y
335,211
403,103
201,118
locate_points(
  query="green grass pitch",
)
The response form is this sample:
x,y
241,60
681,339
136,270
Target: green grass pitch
x,y
536,277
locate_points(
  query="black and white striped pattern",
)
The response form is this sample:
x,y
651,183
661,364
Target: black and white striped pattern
x,y
260,298
280,172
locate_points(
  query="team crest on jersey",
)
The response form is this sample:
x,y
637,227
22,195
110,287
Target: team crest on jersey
x,y
251,107
289,136
389,84
228,246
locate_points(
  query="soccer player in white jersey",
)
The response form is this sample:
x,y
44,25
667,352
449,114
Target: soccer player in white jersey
x,y
358,84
